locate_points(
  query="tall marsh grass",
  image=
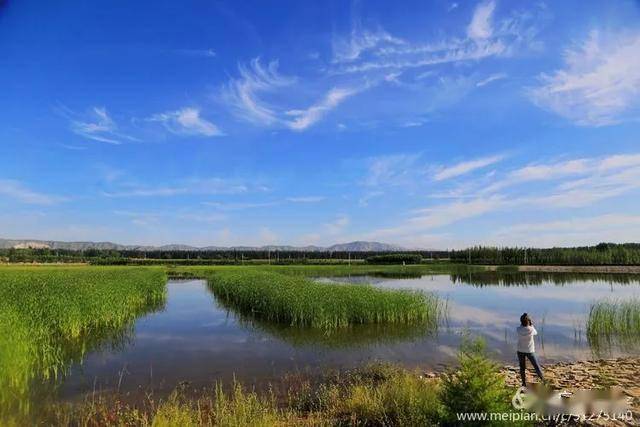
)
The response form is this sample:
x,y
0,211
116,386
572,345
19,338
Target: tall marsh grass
x,y
51,316
298,301
614,318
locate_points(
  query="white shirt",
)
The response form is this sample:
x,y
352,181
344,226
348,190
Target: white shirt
x,y
525,339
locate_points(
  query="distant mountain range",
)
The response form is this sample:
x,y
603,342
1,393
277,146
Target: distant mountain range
x,y
77,246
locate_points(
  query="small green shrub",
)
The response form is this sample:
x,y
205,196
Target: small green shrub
x,y
475,387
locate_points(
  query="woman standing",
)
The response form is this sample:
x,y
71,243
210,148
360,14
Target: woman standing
x,y
526,347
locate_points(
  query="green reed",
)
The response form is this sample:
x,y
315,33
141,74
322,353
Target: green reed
x,y
51,316
297,301
614,319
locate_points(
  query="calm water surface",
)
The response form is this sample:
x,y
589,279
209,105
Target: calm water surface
x,y
197,340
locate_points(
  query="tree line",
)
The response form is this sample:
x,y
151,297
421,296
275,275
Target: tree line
x,y
600,254
227,256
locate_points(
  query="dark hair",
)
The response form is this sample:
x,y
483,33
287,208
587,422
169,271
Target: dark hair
x,y
525,320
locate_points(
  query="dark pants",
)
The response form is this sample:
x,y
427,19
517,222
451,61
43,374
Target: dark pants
x,y
522,358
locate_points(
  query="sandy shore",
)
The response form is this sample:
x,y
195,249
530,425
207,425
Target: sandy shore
x,y
622,373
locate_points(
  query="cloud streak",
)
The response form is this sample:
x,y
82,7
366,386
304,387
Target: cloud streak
x,y
206,186
466,167
381,52
18,191
97,125
600,83
186,121
243,94
569,184
306,118
480,27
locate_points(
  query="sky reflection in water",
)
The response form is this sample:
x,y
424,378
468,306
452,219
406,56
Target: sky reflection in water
x,y
195,339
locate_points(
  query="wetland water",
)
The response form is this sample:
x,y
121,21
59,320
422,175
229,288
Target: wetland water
x,y
195,339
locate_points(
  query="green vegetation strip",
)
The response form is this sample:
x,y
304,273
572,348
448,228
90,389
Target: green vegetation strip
x,y
611,319
399,271
299,301
51,316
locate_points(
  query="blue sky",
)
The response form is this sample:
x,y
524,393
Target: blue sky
x,y
433,124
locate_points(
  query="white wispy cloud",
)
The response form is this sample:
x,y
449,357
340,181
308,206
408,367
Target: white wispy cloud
x,y
611,227
204,53
361,40
393,169
575,224
466,167
368,196
267,236
600,83
306,199
411,169
549,171
481,26
367,58
441,215
186,121
592,189
568,184
491,78
565,169
206,186
243,95
96,125
338,225
243,92
233,206
424,56
73,147
19,191
485,37
305,118
577,182
239,206
146,218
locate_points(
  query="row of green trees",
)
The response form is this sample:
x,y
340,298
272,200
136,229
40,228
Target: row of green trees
x,y
192,257
601,254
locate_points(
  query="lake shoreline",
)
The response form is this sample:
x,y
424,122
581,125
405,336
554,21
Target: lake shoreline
x,y
295,397
617,269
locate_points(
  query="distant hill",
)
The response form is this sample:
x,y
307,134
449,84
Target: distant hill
x,y
365,247
52,244
77,246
